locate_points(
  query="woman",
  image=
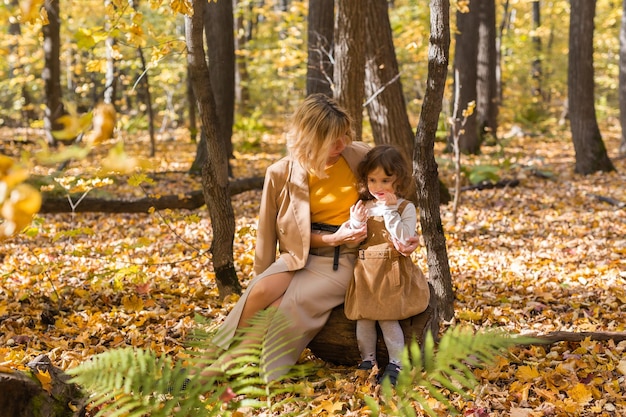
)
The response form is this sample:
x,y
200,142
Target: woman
x,y
311,188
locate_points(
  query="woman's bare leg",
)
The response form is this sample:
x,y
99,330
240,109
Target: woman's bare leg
x,y
265,293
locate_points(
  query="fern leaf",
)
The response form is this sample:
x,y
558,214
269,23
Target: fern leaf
x,y
373,406
427,360
448,366
133,382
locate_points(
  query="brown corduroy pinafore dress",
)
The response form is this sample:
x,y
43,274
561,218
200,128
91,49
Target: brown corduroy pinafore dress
x,y
386,285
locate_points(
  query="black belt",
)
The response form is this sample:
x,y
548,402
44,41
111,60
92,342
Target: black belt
x,y
323,227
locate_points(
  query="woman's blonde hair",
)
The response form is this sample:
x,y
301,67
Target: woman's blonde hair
x,y
314,129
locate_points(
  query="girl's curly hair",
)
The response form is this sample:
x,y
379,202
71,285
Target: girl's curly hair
x,y
391,160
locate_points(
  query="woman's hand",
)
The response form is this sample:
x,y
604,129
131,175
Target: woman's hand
x,y
407,250
346,235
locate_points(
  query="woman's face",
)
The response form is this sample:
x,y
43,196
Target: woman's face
x,y
335,151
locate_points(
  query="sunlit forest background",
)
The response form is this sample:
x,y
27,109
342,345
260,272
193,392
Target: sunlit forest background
x,y
275,58
547,254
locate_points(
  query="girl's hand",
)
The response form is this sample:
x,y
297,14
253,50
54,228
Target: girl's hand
x,y
390,199
407,250
358,211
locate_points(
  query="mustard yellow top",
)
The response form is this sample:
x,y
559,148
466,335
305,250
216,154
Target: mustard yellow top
x,y
332,197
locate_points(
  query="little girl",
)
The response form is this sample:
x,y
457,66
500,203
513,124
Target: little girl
x,y
387,286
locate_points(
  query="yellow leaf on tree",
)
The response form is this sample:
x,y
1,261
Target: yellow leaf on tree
x,y
73,125
118,161
103,124
182,7
26,199
30,9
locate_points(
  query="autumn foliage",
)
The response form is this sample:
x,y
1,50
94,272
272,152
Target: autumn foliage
x,y
546,255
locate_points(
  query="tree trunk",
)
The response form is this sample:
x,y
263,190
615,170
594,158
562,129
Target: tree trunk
x,y
591,154
147,92
349,71
336,342
109,76
386,107
505,23
622,79
465,78
243,34
215,171
52,70
319,77
23,395
537,72
16,67
191,103
148,98
220,40
425,165
487,101
564,336
385,103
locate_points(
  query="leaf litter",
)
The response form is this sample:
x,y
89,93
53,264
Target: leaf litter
x,y
547,255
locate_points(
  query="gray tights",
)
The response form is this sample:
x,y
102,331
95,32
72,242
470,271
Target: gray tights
x,y
392,334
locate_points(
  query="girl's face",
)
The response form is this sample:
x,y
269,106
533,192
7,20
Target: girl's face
x,y
379,184
335,151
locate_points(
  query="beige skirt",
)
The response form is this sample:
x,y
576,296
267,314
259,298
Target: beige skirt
x,y
312,294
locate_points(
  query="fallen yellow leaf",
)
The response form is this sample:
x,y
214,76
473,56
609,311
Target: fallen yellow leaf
x,y
45,379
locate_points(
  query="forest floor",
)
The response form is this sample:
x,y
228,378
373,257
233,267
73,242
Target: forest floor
x,y
546,255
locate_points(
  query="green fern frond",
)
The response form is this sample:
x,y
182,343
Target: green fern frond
x,y
258,349
448,367
135,382
128,381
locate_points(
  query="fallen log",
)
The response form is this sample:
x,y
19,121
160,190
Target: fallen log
x,y
336,342
42,391
608,200
191,200
564,336
488,185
